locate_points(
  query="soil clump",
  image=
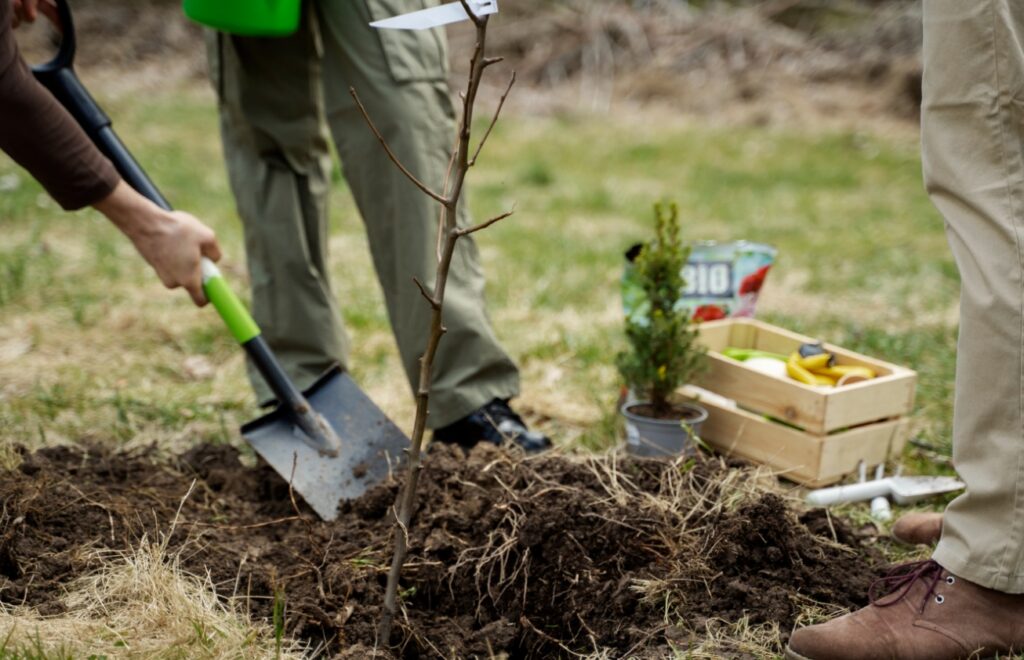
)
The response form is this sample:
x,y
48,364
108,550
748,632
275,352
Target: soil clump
x,y
534,558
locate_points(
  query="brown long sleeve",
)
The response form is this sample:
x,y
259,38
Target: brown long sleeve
x,y
40,135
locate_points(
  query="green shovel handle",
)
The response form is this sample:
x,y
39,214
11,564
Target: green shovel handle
x,y
241,325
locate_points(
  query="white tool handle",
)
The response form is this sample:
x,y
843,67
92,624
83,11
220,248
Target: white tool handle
x,y
210,270
852,493
881,510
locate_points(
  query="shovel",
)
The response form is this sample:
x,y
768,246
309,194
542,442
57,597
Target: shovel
x,y
330,442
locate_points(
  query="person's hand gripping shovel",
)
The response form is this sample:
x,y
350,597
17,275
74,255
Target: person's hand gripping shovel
x,y
330,442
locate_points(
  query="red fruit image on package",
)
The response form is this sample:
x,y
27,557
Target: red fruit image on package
x,y
709,313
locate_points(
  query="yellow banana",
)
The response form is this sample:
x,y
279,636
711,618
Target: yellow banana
x,y
815,362
825,380
799,373
796,372
841,370
821,369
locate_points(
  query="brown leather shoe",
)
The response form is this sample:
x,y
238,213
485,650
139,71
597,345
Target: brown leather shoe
x,y
930,614
918,528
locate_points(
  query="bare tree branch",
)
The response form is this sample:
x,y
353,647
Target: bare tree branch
x,y
444,210
494,120
484,225
394,159
477,20
426,293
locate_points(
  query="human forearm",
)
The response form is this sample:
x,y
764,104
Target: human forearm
x,y
42,137
171,242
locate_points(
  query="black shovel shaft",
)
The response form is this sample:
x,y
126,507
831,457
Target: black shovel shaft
x,y
129,169
60,79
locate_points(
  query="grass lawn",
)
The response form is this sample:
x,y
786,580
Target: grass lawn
x,y
93,348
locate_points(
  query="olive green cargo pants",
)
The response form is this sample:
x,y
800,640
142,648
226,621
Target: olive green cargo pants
x,y
973,152
280,99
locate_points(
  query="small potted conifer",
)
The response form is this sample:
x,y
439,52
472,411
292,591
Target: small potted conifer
x,y
663,353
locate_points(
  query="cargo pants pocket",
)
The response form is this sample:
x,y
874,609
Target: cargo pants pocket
x,y
412,55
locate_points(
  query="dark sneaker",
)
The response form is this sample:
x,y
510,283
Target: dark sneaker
x,y
495,423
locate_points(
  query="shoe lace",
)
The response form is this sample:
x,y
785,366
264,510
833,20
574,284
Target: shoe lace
x,y
901,579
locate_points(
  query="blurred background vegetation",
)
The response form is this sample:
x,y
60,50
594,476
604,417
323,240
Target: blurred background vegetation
x,y
790,122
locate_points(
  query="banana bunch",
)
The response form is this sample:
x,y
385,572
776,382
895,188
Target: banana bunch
x,y
813,365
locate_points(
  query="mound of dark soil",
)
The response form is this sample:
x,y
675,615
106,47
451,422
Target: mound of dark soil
x,y
533,558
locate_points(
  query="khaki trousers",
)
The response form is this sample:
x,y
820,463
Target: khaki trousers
x,y
281,100
973,153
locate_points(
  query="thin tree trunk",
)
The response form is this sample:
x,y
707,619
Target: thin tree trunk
x,y
449,235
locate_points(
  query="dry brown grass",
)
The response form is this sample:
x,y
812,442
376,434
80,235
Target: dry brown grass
x,y
142,605
735,640
9,458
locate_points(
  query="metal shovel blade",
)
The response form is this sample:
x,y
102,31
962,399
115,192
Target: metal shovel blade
x,y
371,445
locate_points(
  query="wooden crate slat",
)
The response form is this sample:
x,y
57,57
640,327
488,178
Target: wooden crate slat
x,y
788,400
889,396
792,453
873,444
718,336
811,460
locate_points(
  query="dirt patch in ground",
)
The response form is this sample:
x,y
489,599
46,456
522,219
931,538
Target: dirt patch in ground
x,y
534,557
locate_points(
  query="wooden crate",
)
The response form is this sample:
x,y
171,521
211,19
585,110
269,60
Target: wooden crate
x,y
838,427
816,410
